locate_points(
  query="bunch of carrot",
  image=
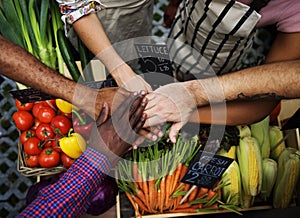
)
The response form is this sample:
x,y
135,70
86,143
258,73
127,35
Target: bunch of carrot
x,y
151,180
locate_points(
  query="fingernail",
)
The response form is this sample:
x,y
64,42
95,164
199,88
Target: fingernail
x,y
154,137
135,93
173,139
143,92
160,134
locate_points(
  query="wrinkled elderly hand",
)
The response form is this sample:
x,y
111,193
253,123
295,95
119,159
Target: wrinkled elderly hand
x,y
173,103
115,134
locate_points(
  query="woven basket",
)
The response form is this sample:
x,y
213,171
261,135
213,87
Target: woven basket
x,y
35,171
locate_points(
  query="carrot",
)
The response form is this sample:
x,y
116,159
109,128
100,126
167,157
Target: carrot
x,y
214,206
139,193
135,174
184,169
168,189
140,203
200,206
176,177
184,210
151,189
158,202
193,194
211,193
146,192
202,191
184,205
129,196
162,193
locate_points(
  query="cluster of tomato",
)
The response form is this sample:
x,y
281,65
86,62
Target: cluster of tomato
x,y
42,126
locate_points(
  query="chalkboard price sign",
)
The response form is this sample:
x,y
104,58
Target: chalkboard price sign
x,y
206,169
154,58
30,95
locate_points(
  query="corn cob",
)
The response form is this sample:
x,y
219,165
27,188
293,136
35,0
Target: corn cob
x,y
232,192
288,173
250,162
244,131
260,131
231,153
275,136
269,168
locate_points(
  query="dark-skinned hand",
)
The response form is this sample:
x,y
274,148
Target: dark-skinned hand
x,y
115,134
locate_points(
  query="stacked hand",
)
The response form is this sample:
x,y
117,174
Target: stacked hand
x,y
115,134
173,103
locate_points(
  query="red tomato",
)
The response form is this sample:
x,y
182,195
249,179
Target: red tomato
x,y
25,135
61,124
68,115
44,131
55,144
23,106
50,103
32,160
48,143
36,124
36,108
32,146
46,114
66,160
23,120
49,158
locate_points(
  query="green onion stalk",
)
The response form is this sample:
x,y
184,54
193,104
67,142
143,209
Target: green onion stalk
x,y
32,24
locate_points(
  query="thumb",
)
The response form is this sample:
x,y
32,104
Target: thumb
x,y
174,130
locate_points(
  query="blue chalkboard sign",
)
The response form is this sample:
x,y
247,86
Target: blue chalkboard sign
x,y
206,169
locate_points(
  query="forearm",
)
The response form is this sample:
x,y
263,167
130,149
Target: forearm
x,y
91,32
20,66
273,81
233,113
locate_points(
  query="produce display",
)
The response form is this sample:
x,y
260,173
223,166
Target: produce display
x,y
263,172
52,132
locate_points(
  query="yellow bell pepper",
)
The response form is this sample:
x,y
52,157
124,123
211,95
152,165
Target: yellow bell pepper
x,y
73,145
64,106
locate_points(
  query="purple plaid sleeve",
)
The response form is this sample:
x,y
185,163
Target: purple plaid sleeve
x,y
71,195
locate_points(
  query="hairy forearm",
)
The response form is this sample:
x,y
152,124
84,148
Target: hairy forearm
x,y
250,94
270,81
20,66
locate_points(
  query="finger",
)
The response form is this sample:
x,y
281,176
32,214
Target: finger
x,y
154,121
174,130
136,116
137,142
104,115
148,135
140,123
157,131
122,110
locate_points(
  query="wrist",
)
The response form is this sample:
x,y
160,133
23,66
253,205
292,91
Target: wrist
x,y
196,90
122,73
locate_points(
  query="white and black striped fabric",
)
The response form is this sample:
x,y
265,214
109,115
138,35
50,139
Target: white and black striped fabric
x,y
209,37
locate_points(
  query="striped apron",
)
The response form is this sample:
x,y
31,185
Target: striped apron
x,y
209,37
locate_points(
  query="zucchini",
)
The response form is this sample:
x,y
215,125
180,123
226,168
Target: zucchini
x,y
65,49
84,53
